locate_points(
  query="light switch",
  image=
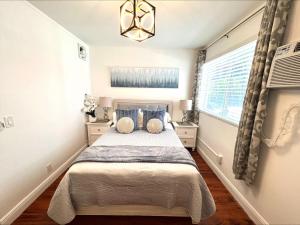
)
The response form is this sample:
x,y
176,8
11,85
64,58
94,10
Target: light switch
x,y
9,121
2,126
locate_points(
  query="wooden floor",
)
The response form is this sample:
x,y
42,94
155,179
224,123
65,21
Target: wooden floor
x,y
228,210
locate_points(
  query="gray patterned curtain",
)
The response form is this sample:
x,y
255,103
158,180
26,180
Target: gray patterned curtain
x,y
201,56
247,147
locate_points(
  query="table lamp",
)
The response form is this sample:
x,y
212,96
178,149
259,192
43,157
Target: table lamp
x,y
185,106
105,103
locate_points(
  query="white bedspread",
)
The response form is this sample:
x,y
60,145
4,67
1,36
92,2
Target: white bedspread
x,y
105,184
140,138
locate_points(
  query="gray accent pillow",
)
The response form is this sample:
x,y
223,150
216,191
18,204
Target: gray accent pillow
x,y
132,113
153,114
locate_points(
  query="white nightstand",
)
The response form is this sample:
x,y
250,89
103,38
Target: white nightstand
x,y
95,130
187,133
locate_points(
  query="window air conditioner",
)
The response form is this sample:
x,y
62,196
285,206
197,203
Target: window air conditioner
x,y
285,69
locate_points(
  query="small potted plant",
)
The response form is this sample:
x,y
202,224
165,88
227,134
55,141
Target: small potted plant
x,y
89,108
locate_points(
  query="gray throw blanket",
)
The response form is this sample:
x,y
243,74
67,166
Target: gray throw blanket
x,y
130,154
148,154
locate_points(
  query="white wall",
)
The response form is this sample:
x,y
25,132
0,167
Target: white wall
x,y
42,84
275,195
102,58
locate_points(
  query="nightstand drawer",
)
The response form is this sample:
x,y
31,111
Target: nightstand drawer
x,y
97,129
185,132
188,142
93,138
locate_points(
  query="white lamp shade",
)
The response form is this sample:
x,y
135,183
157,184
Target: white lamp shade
x,y
186,105
105,102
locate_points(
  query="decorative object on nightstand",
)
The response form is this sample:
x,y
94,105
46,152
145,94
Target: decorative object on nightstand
x,y
90,106
185,106
187,133
95,130
105,103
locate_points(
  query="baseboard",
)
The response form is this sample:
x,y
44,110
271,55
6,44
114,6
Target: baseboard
x,y
16,211
245,204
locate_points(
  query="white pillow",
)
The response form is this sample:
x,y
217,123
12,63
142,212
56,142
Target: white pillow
x,y
125,125
154,126
115,119
140,119
167,119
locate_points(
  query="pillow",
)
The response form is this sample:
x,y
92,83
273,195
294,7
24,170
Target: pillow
x,y
114,119
167,118
157,114
155,126
132,113
127,107
125,125
140,119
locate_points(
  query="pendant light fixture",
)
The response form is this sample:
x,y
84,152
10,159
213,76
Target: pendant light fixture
x,y
137,20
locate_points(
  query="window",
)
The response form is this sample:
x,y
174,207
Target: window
x,y
224,81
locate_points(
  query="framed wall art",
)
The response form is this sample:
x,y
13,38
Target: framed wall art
x,y
144,77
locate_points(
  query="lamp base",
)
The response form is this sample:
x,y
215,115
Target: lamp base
x,y
185,116
105,117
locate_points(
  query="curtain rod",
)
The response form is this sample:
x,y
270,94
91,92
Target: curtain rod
x,y
235,27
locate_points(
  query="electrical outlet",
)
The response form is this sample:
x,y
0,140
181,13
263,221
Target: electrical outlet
x,y
49,168
9,121
220,158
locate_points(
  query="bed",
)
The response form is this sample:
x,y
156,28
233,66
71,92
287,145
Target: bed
x,y
136,188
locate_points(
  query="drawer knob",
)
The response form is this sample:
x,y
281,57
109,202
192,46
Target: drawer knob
x,y
184,142
99,129
185,132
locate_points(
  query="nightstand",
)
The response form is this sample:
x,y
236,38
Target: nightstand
x,y
95,130
187,133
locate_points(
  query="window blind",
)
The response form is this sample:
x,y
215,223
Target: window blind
x,y
224,82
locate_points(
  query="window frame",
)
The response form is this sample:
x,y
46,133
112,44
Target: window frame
x,y
220,118
232,48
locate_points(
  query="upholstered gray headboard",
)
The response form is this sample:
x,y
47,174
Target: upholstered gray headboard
x,y
127,103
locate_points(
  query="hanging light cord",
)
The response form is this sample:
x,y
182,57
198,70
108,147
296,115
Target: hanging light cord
x,y
286,127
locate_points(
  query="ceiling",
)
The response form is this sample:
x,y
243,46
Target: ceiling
x,y
179,24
